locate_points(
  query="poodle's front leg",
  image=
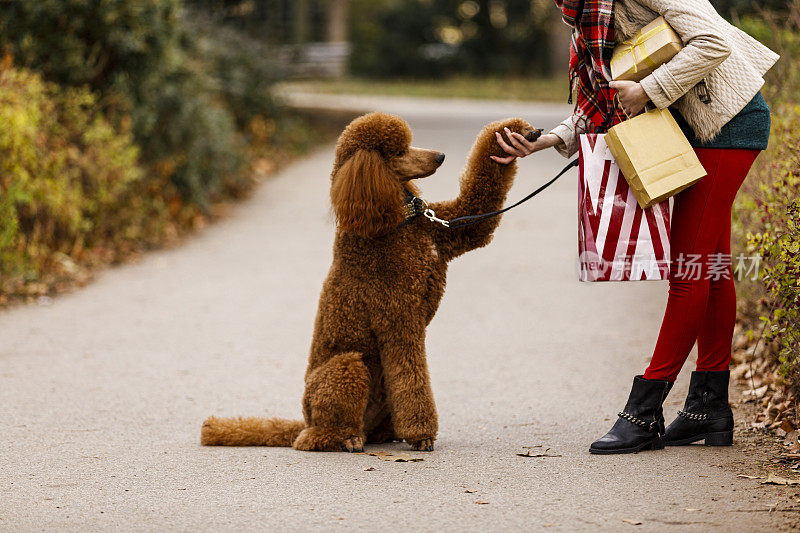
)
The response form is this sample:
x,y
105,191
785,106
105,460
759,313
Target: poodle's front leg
x,y
484,186
409,393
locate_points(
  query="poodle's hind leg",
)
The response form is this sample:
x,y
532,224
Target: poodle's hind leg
x,y
334,402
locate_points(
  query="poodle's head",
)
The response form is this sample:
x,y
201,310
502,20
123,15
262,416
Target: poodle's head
x,y
374,164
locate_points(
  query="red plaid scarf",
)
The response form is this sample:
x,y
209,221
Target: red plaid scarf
x,y
590,56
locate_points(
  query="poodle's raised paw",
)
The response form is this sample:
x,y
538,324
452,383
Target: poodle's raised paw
x,y
533,135
424,445
516,125
354,444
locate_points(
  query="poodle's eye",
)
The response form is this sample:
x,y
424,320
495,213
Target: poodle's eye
x,y
401,153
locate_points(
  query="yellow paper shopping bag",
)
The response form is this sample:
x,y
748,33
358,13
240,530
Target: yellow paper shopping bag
x,y
651,47
654,156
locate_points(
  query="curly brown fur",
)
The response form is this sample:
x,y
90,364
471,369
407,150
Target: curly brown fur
x,y
367,376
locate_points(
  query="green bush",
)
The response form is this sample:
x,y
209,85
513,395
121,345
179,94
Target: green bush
x,y
185,89
104,44
66,176
777,240
187,135
242,68
783,80
742,7
436,38
767,215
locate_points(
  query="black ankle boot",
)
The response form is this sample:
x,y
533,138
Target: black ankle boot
x,y
706,414
641,424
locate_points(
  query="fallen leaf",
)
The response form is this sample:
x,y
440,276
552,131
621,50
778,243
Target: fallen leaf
x,y
792,439
745,476
481,502
399,458
772,479
470,491
632,521
370,469
529,454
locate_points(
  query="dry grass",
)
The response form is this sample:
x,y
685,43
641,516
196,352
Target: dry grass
x,y
520,89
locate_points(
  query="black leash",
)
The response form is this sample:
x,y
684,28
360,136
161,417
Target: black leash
x,y
469,220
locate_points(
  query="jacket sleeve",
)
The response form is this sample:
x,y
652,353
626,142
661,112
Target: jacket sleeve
x,y
569,131
705,48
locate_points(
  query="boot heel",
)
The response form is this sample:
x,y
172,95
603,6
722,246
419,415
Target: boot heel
x,y
722,438
657,444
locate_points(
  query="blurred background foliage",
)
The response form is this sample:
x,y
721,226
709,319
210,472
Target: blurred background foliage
x,y
125,123
437,38
734,8
65,174
767,223
178,84
431,38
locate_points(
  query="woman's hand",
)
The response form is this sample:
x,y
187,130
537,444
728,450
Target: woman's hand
x,y
521,147
632,97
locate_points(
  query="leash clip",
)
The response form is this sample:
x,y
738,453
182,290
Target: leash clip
x,y
431,215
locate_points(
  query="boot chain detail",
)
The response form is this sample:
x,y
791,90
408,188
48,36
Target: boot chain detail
x,y
638,421
693,416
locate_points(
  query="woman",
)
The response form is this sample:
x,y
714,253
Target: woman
x,y
712,87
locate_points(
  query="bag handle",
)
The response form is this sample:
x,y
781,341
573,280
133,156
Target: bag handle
x,y
649,106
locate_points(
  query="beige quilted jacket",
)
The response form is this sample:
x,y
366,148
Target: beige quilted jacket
x,y
732,63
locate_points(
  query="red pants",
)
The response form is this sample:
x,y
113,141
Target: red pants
x,y
702,298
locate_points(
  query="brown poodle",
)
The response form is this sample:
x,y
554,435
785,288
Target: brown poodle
x,y
367,377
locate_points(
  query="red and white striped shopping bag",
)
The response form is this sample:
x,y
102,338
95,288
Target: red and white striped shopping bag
x,y
617,239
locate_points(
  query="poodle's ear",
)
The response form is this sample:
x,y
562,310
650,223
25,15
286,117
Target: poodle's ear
x,y
366,196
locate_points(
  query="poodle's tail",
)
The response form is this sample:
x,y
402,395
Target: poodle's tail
x,y
250,431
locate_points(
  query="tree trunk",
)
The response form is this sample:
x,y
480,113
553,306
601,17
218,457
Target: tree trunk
x,y
337,20
302,21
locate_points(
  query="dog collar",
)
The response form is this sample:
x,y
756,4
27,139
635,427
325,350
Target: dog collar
x,y
412,208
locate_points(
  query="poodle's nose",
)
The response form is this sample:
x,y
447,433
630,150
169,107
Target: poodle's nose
x,y
440,158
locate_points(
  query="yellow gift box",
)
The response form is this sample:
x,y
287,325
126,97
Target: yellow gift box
x,y
651,47
654,156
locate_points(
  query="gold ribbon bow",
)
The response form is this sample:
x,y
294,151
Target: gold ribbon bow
x,y
636,46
